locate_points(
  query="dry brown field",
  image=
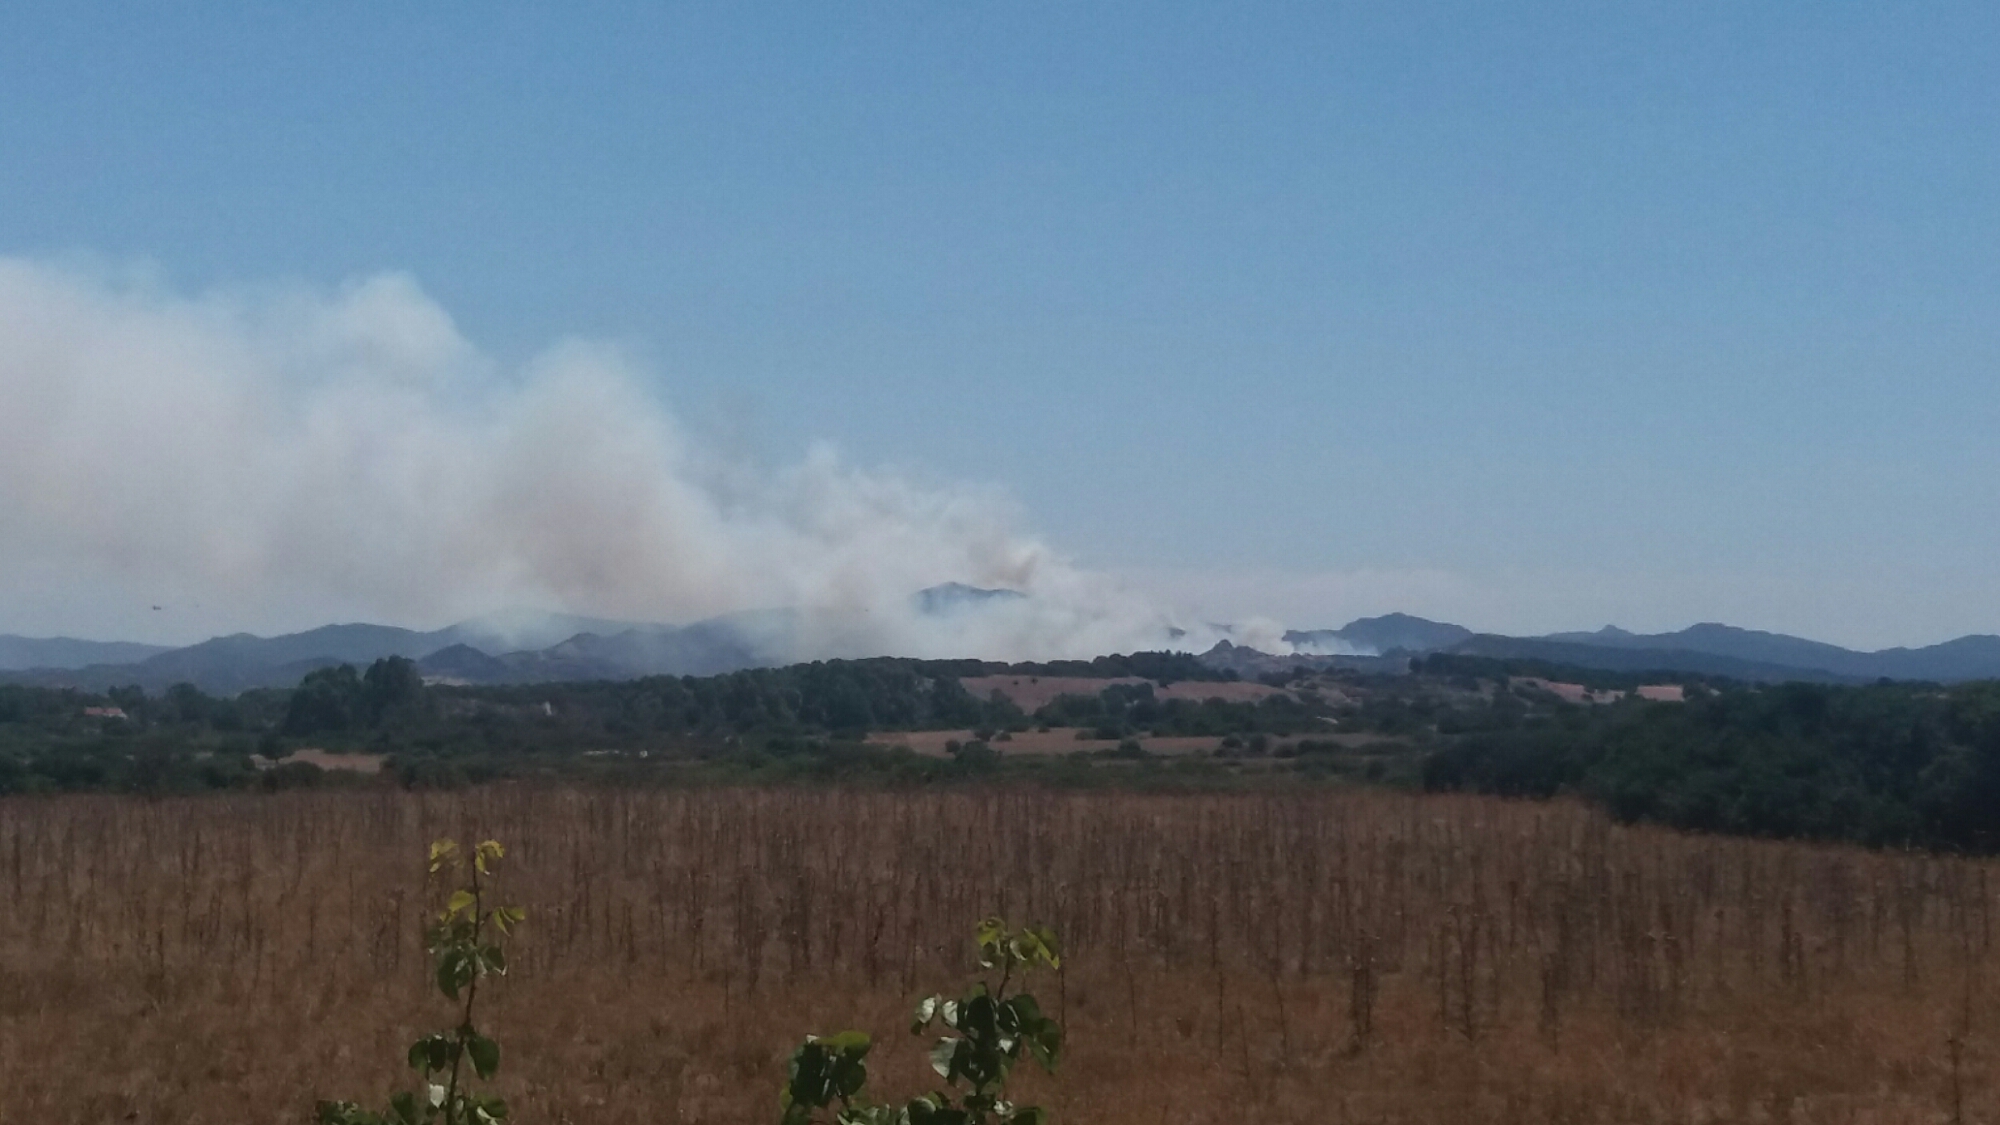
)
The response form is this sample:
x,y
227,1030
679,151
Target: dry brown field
x,y
1312,957
330,760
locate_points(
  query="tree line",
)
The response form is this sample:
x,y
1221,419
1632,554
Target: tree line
x,y
1881,764
809,718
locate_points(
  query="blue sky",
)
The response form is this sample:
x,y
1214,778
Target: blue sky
x,y
1531,316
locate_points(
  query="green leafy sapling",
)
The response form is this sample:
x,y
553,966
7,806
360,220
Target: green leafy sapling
x,y
991,1029
464,941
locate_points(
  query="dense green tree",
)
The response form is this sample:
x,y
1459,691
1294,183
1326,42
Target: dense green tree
x,y
328,700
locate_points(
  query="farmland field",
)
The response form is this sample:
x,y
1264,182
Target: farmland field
x,y
1324,956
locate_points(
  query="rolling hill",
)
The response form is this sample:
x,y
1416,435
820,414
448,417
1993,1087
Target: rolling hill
x,y
530,647
1705,649
513,647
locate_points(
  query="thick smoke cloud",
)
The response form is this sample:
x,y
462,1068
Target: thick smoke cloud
x,y
274,460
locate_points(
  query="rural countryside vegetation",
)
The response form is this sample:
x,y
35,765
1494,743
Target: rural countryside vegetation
x,y
1889,764
1482,891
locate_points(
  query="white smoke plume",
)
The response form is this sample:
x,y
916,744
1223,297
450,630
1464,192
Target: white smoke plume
x,y
274,460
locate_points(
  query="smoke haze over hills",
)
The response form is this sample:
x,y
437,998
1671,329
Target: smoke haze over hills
x,y
176,466
280,458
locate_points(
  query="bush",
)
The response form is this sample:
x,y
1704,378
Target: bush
x,y
464,945
993,1030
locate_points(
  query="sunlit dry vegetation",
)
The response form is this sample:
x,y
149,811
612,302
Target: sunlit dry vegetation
x,y
1312,958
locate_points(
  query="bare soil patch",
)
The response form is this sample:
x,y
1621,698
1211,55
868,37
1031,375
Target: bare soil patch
x,y
328,760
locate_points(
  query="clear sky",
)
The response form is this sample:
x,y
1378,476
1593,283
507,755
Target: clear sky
x,y
1530,316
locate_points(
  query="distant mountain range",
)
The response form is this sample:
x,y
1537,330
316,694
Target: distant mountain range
x,y
1967,658
529,647
514,647
470,652
67,652
1394,632
1705,649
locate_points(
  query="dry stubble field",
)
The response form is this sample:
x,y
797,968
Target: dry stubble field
x,y
1319,957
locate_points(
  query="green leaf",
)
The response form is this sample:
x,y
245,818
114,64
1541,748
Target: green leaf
x,y
982,1068
847,1043
1034,946
485,1055
460,902
935,1109
405,1105
979,1016
1051,951
1025,1010
989,935
432,1053
454,971
927,1010
810,1076
505,918
944,1057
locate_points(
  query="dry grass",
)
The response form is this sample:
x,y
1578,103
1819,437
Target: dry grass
x,y
1309,958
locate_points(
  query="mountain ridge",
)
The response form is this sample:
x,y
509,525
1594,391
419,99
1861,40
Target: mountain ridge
x,y
1706,648
515,646
536,647
1973,656
1389,633
20,653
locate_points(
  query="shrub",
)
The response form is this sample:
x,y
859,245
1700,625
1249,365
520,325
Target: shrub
x,y
464,944
992,1027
